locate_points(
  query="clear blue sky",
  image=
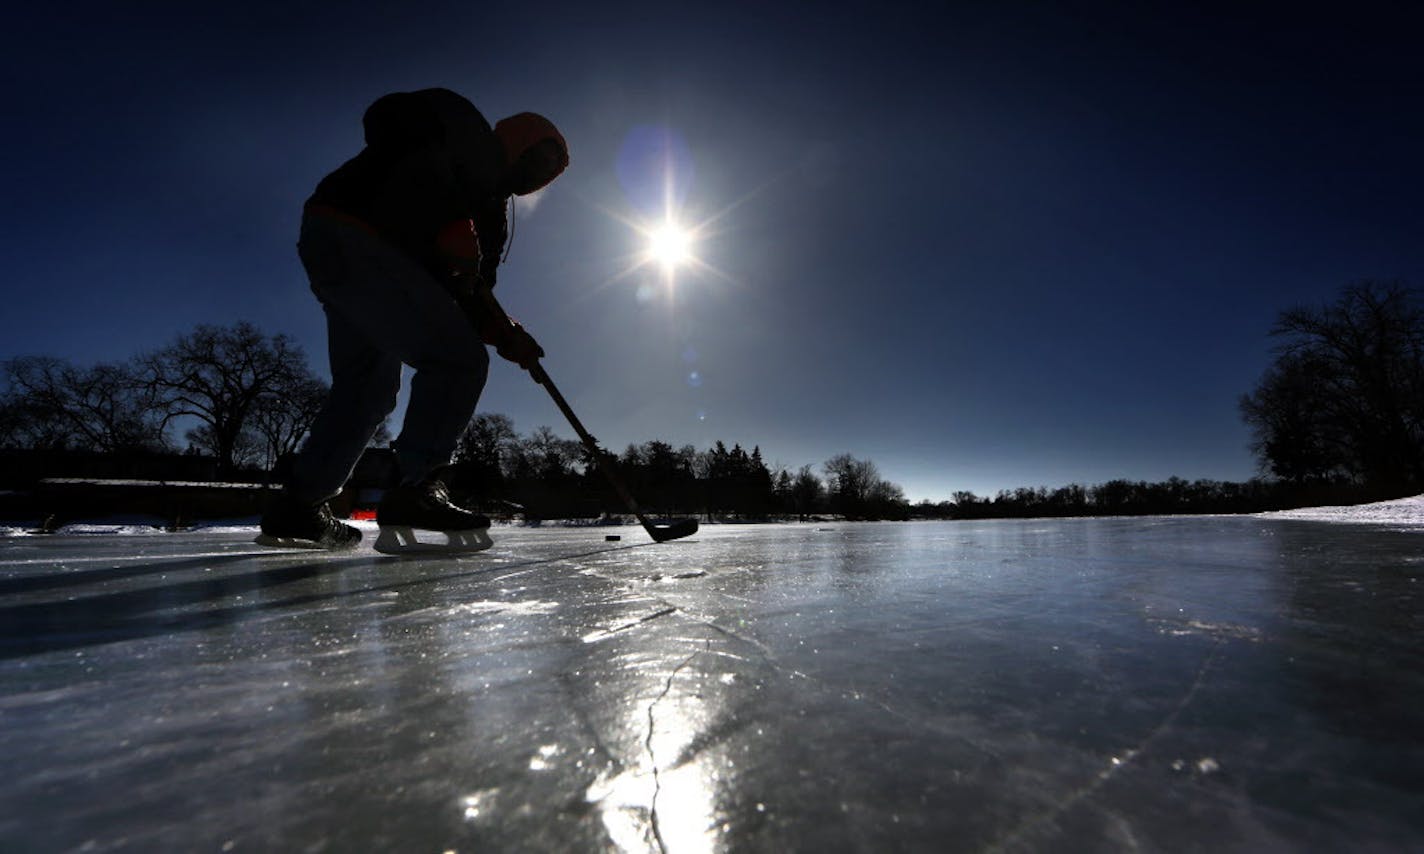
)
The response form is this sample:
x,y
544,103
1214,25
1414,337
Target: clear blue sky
x,y
986,246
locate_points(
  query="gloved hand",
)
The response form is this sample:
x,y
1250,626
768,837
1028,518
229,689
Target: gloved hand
x,y
508,338
513,342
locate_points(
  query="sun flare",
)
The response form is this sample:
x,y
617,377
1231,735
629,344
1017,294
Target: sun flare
x,y
670,245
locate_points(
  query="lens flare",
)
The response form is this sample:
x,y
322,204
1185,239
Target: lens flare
x,y
672,234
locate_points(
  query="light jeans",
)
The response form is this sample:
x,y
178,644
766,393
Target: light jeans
x,y
383,310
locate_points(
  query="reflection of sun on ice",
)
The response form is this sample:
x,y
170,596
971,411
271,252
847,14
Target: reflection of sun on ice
x,y
670,245
664,799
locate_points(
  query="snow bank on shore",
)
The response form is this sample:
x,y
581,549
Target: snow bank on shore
x,y
1402,512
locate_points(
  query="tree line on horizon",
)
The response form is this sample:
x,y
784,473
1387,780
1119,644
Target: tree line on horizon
x,y
551,476
1338,417
245,398
1121,497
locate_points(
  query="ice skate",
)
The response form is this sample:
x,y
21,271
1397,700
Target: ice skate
x,y
426,507
291,524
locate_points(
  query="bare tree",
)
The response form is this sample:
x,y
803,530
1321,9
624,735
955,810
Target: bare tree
x,y
219,375
549,455
52,403
1345,396
282,419
850,481
244,450
807,492
486,443
857,490
27,420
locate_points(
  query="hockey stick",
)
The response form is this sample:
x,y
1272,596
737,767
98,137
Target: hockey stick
x,y
660,533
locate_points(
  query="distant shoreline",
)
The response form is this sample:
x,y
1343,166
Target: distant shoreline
x,y
1406,512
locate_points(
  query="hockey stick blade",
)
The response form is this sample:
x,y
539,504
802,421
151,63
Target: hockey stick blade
x,y
671,531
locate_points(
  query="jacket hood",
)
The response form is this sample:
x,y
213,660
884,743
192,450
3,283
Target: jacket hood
x,y
520,132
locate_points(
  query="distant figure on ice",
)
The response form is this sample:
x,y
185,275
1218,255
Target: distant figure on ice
x,y
396,241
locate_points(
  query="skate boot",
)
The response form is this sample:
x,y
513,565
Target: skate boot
x,y
293,524
426,506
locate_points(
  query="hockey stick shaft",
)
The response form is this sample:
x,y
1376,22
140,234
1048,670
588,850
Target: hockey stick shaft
x,y
673,531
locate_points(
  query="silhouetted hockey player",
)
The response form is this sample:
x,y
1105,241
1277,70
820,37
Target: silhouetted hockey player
x,y
396,243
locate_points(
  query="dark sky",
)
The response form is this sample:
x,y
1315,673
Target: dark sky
x,y
986,246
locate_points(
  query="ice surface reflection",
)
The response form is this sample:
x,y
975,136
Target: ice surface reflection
x,y
1109,684
665,799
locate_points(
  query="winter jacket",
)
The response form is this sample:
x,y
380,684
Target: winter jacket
x,y
431,160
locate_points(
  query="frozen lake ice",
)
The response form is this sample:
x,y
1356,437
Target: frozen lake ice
x,y
1223,683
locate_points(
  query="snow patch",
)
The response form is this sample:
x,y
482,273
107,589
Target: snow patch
x,y
227,527
114,529
131,482
1401,512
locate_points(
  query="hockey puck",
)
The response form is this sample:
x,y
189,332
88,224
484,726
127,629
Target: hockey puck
x,y
612,538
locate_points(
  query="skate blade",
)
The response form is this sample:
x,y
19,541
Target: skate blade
x,y
401,539
288,543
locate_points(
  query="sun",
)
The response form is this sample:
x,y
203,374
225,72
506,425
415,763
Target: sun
x,y
669,248
670,245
